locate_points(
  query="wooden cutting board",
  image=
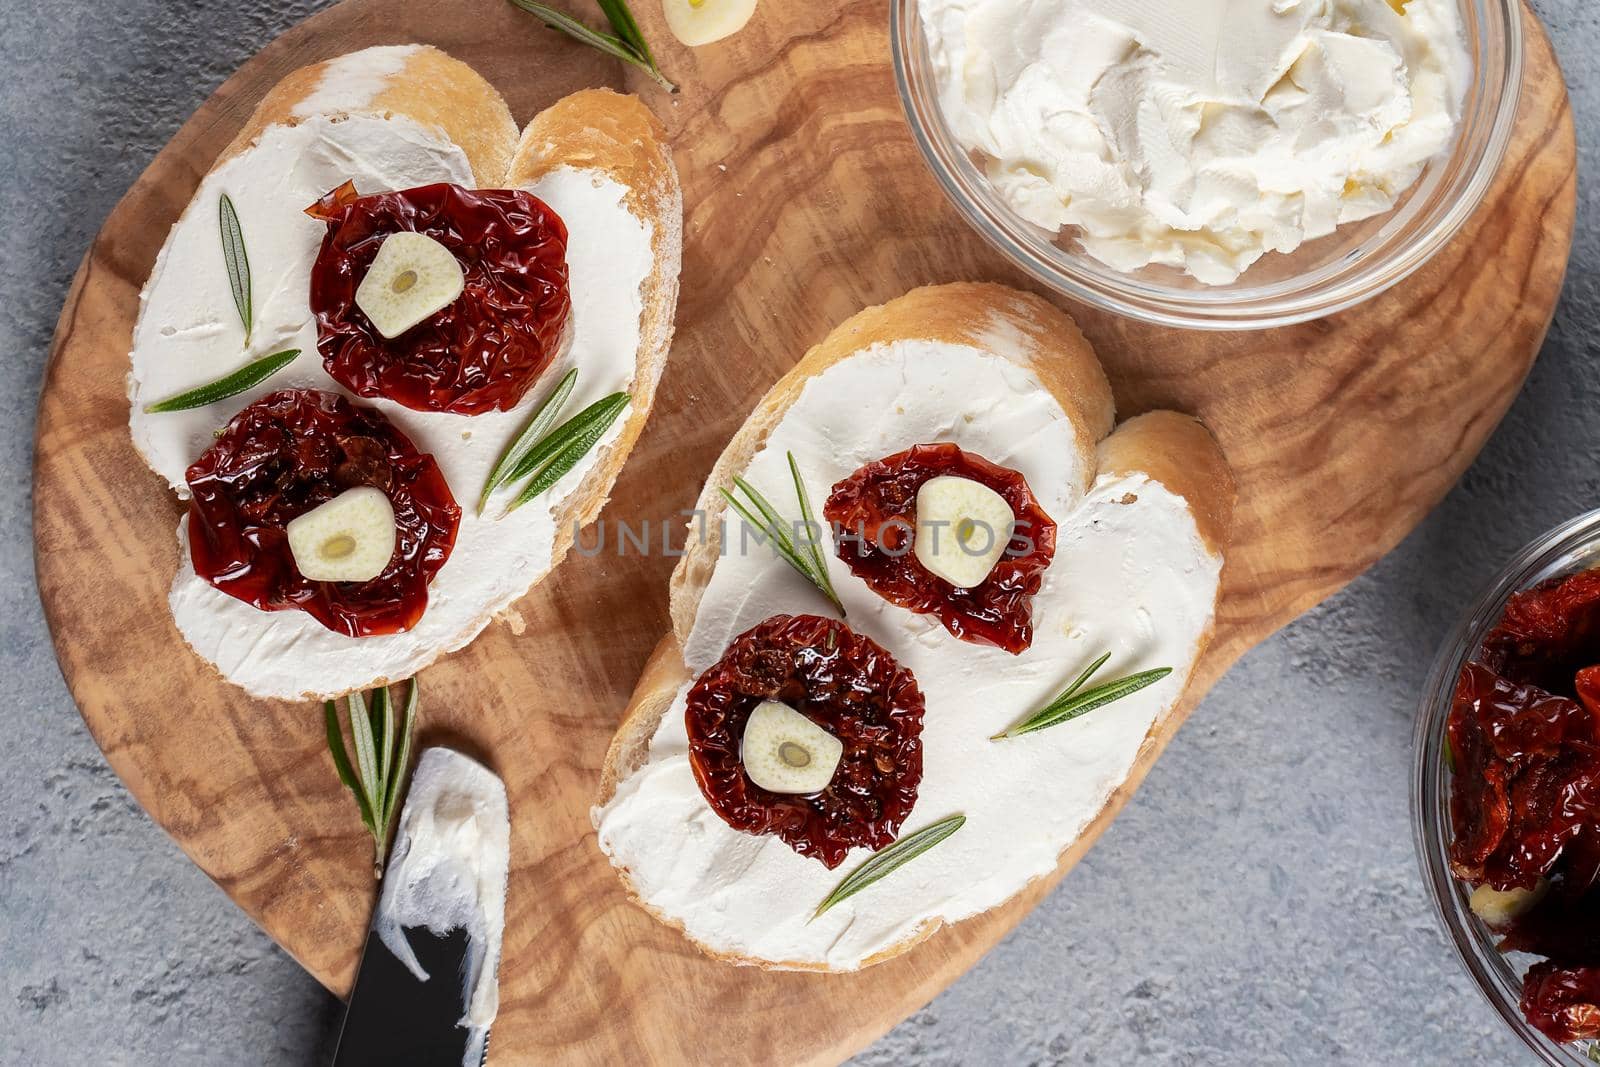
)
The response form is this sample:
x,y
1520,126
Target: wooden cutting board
x,y
805,200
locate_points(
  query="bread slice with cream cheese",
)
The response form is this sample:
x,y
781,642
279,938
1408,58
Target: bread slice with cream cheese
x,y
1143,515
393,118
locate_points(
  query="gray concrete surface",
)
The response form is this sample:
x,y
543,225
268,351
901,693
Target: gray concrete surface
x,y
1258,902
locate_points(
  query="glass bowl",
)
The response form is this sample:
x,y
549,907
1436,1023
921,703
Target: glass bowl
x,y
1572,546
1356,262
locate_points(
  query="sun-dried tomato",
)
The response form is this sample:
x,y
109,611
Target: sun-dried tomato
x,y
1524,731
1548,633
1563,1002
876,511
284,455
845,683
484,350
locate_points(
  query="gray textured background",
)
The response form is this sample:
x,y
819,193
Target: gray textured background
x,y
1257,902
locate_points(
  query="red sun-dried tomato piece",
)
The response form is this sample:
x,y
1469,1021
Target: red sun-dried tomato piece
x,y
487,348
1563,1003
1548,633
284,455
1551,802
1527,777
845,683
1479,810
1586,685
1524,729
876,511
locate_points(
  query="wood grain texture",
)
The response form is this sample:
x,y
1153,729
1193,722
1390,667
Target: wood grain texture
x,y
805,200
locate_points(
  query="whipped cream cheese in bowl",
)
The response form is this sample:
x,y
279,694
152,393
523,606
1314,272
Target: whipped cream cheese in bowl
x,y
1222,164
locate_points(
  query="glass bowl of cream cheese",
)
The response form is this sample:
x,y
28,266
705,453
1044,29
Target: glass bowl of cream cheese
x,y
1214,164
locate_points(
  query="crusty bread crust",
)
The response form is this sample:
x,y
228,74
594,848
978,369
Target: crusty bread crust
x,y
1180,453
597,129
1031,332
431,88
1172,449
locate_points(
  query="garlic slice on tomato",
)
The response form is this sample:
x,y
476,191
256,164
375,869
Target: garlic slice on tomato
x,y
785,752
412,277
698,22
963,528
347,539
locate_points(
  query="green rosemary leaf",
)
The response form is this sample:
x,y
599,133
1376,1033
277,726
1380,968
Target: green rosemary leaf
x,y
537,427
890,860
383,730
772,523
623,24
576,447
238,263
560,20
366,753
781,544
383,755
611,46
761,526
408,729
1071,705
553,443
341,762
1088,672
247,376
814,544
808,564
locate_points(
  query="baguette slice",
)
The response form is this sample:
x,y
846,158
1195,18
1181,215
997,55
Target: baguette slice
x,y
1143,517
392,118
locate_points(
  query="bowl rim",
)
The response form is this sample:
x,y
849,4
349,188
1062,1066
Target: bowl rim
x,y
1563,549
1339,285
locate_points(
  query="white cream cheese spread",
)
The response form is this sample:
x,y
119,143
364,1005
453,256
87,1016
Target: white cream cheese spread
x,y
1198,134
189,333
1131,576
447,871
352,81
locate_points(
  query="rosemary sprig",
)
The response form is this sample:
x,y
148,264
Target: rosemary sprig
x,y
238,263
251,374
556,440
1073,703
531,434
891,859
383,757
628,44
808,563
626,27
578,442
560,450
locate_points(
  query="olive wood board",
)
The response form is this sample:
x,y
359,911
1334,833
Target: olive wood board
x,y
805,200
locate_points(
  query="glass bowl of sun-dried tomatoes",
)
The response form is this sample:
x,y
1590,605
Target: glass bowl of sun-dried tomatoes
x,y
1506,792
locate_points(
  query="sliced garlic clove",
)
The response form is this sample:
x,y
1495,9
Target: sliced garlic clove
x,y
785,752
963,528
347,539
698,22
412,277
1499,908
